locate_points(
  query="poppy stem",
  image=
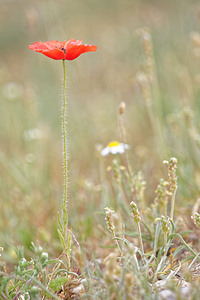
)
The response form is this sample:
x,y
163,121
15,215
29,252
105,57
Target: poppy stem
x,y
65,200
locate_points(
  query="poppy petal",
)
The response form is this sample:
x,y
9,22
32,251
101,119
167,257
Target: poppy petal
x,y
62,50
54,54
51,49
75,48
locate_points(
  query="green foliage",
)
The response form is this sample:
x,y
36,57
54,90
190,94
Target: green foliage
x,y
155,70
57,283
25,275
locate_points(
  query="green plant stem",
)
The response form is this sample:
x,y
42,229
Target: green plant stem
x,y
117,243
65,200
123,138
172,205
165,209
140,237
165,242
157,233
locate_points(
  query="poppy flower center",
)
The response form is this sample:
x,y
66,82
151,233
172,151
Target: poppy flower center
x,y
63,49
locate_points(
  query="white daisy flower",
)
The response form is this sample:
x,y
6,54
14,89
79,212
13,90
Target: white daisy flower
x,y
114,148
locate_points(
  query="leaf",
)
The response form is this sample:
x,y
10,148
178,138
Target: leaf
x,y
65,216
177,250
183,242
61,239
53,261
59,222
69,242
56,284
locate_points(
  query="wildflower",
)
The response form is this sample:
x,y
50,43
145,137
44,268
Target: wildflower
x,y
68,50
114,148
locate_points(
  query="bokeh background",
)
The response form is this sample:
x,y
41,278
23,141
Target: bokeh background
x,y
30,103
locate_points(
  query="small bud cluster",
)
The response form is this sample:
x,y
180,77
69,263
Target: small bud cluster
x,y
135,212
109,219
172,178
162,193
196,219
165,223
147,45
122,108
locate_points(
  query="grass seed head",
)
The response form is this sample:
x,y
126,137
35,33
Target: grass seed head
x,y
162,193
196,219
165,223
122,108
172,178
135,212
109,219
147,45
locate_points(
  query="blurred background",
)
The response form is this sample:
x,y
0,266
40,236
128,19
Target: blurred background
x,y
161,116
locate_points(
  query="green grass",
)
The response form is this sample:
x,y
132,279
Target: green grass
x,y
161,120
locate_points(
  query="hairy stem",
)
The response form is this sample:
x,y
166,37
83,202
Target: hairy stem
x,y
123,138
172,205
65,200
140,237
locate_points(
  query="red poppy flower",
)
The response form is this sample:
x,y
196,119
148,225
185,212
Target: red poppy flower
x,y
62,50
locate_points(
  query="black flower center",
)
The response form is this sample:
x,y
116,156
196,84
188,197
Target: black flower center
x,y
63,49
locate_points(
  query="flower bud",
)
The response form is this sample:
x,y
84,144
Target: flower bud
x,y
122,108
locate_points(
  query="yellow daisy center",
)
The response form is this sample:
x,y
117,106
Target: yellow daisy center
x,y
113,144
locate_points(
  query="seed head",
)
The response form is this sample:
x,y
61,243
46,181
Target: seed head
x,y
162,193
165,223
109,219
172,178
122,108
196,219
135,212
